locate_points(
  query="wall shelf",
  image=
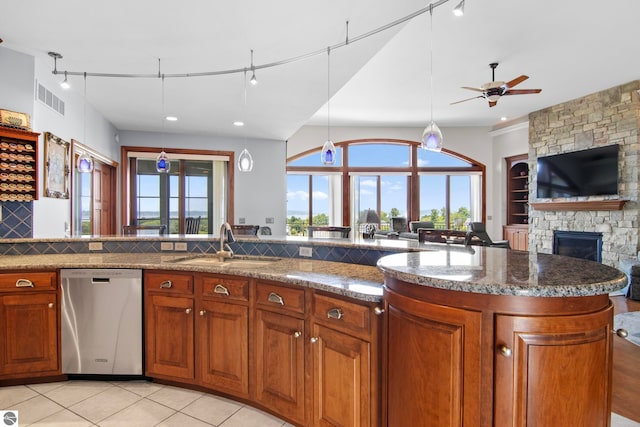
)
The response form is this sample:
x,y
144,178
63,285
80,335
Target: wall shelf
x,y
585,205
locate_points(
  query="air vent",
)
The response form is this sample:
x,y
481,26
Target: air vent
x,y
49,99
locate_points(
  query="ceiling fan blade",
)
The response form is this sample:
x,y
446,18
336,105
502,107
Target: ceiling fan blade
x,y
468,99
517,81
477,89
492,103
521,91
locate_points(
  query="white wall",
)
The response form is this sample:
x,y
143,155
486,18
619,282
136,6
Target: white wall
x,y
259,194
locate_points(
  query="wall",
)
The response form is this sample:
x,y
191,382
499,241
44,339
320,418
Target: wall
x,y
259,194
473,142
608,117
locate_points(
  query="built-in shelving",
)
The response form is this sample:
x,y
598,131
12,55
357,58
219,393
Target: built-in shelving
x,y
18,165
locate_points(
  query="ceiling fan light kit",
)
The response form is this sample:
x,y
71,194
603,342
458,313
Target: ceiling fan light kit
x,y
494,90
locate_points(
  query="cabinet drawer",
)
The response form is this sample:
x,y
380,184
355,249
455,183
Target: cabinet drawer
x,y
342,313
27,280
226,288
280,298
168,282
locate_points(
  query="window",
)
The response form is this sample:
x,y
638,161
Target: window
x,y
195,186
382,175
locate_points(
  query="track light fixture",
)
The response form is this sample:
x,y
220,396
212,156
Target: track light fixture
x,y
253,80
85,162
432,135
459,9
65,83
245,160
328,155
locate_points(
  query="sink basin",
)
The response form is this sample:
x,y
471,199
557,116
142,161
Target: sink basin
x,y
235,262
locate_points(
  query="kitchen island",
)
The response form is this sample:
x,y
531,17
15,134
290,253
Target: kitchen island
x,y
492,337
456,336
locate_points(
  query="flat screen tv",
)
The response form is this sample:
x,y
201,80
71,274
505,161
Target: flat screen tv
x,y
591,172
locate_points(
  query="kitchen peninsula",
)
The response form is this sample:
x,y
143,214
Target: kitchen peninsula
x,y
448,320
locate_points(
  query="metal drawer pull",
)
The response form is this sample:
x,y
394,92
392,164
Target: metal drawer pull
x,y
297,334
219,289
275,298
203,312
622,333
335,313
504,350
378,310
24,283
167,284
188,311
51,305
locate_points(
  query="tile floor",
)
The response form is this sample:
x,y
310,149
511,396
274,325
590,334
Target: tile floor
x,y
126,404
138,404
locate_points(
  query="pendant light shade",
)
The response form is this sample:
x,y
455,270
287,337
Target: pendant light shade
x,y
245,161
85,163
162,162
432,138
328,155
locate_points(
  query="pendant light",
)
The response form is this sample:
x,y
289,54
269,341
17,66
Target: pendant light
x,y
432,135
163,165
85,162
245,161
328,155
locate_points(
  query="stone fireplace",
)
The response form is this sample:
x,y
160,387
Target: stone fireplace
x,y
578,244
603,118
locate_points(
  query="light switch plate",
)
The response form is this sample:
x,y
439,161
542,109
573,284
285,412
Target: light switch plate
x,y
95,246
241,220
166,246
181,246
269,220
308,252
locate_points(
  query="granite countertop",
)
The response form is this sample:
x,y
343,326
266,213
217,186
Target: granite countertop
x,y
352,280
499,271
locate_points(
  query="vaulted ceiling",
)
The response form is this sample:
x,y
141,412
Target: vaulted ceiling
x,y
568,48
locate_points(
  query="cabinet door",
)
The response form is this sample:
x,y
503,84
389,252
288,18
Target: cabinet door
x,y
29,334
341,379
553,371
169,336
222,349
433,364
280,363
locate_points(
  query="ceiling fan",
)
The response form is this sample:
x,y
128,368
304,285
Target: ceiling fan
x,y
493,90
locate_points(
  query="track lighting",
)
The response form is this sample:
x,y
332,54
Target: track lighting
x,y
328,154
432,135
245,160
163,164
253,80
85,163
459,9
65,83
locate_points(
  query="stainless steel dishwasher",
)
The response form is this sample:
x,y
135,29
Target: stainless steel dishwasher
x,y
101,321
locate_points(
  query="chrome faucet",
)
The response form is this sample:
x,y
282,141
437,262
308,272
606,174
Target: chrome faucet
x,y
226,236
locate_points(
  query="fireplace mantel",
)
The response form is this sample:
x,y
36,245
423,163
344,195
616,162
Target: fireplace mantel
x,y
584,205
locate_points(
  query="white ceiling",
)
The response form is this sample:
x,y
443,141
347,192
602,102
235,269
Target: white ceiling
x,y
568,48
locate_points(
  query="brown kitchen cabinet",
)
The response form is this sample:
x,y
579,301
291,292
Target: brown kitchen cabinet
x,y
280,350
169,325
455,358
345,362
222,330
29,320
517,235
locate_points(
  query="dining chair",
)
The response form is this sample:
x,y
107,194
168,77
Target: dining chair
x,y
245,230
192,225
144,230
328,231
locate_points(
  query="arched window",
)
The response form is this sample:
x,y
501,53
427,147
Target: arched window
x,y
393,178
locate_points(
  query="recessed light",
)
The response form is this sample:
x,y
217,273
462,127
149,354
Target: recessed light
x,y
238,123
171,118
503,118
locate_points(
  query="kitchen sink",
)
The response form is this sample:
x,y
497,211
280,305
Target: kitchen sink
x,y
235,262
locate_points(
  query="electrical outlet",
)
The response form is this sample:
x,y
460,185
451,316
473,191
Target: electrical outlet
x,y
181,246
269,220
95,246
308,252
166,246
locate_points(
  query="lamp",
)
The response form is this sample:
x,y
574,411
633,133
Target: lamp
x,y
85,162
163,165
459,9
371,220
65,83
432,136
245,161
253,80
328,155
